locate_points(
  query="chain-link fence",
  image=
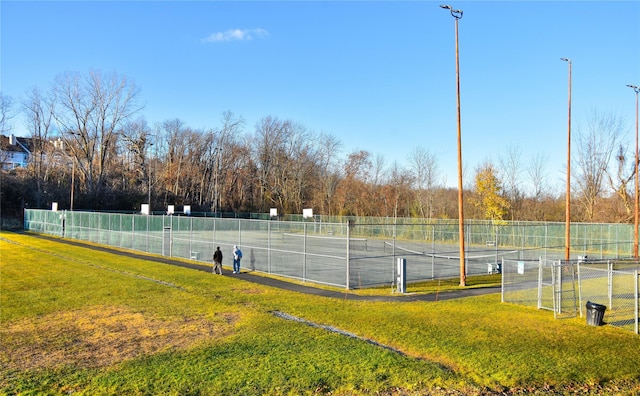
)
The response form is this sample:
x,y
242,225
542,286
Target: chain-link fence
x,y
614,285
289,249
344,254
567,287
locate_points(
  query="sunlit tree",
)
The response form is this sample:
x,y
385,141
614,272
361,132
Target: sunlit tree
x,y
488,194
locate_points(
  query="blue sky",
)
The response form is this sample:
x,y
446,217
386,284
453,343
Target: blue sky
x,y
379,76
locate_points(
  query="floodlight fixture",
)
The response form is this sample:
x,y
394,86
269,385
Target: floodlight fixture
x,y
454,13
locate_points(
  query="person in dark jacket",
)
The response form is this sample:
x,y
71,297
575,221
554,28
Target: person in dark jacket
x,y
217,261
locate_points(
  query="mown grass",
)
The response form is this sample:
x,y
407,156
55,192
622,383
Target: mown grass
x,y
79,321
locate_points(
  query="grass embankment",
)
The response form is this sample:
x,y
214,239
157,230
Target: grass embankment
x,y
79,321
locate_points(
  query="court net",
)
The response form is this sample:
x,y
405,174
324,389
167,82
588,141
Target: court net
x,y
325,240
486,255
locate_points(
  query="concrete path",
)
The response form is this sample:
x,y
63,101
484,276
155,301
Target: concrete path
x,y
281,284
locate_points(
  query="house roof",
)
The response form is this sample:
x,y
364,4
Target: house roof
x,y
23,145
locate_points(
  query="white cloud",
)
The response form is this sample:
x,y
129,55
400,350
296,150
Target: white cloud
x,y
235,34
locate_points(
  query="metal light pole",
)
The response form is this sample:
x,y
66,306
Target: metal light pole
x,y
457,14
73,181
216,153
149,175
636,89
567,236
73,166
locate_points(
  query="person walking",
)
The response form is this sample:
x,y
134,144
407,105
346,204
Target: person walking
x,y
237,256
217,261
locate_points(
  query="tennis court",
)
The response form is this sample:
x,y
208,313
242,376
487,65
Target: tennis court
x,y
345,254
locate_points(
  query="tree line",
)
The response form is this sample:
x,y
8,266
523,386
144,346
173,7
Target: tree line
x,y
93,150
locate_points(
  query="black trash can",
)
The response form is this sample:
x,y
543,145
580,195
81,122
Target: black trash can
x,y
595,314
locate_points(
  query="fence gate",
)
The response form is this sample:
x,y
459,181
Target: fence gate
x,y
543,283
564,290
546,295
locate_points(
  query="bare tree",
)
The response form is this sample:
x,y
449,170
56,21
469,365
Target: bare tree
x,y
329,177
91,110
425,173
38,112
377,201
511,170
398,190
6,113
137,141
287,162
622,178
353,195
174,154
594,148
226,156
537,177
304,167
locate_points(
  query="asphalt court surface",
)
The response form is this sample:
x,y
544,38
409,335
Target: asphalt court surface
x,y
281,284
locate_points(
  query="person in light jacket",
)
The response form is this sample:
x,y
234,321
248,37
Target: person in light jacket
x,y
237,256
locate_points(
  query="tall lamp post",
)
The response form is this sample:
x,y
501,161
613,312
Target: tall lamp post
x,y
73,166
73,181
149,176
216,153
567,235
457,14
636,89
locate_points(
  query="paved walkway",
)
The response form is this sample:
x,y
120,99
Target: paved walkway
x,y
281,284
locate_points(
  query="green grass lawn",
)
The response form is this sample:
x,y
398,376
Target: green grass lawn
x,y
74,320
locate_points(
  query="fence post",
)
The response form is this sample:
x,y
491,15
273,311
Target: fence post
x,y
213,233
304,255
580,287
502,282
636,300
557,298
433,251
540,281
348,266
522,240
393,248
546,239
147,219
601,243
269,247
610,282
99,226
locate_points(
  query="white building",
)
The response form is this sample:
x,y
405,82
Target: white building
x,y
14,152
